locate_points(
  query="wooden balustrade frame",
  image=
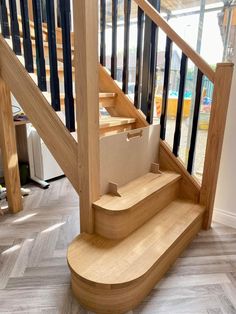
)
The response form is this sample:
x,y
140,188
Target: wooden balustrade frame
x,y
223,78
155,16
87,107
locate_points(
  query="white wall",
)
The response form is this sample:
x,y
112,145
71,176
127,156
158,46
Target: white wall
x,y
225,205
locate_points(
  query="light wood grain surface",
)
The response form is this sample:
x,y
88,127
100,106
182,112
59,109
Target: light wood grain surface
x,y
87,108
124,105
9,149
41,115
34,276
219,109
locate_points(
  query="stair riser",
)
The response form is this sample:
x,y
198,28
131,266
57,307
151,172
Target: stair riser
x,y
117,300
119,224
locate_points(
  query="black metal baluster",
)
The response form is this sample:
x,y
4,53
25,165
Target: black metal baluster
x,y
168,55
114,40
195,121
4,20
41,70
58,14
103,32
177,135
54,80
27,45
149,65
152,72
44,11
68,83
15,28
137,89
125,76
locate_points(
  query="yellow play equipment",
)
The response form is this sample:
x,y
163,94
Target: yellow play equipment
x,y
172,109
172,106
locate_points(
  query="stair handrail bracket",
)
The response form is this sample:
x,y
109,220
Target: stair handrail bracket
x,y
155,16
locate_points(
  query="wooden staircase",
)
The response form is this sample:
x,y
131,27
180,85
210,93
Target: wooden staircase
x,y
133,233
113,276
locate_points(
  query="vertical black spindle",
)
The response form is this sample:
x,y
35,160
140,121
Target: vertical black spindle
x,y
149,65
168,54
41,70
114,40
125,76
15,33
137,89
4,20
27,45
54,80
44,11
152,72
177,135
68,83
103,32
58,14
195,121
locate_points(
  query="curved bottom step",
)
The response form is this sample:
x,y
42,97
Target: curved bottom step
x,y
115,276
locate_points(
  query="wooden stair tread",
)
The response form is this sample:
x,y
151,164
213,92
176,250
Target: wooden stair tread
x,y
107,95
106,122
105,99
101,95
136,191
100,261
45,44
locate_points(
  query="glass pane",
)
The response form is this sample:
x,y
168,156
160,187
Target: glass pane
x,y
132,49
173,94
159,75
188,108
203,124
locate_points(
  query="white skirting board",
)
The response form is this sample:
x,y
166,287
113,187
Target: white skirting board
x,y
224,217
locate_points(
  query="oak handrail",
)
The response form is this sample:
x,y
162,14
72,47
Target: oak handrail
x,y
155,16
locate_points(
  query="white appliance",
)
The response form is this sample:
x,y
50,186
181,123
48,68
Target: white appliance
x,y
42,164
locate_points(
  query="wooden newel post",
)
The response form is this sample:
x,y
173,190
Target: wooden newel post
x,y
87,107
9,150
223,78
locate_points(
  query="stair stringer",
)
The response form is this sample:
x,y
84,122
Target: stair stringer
x,y
190,188
124,106
40,113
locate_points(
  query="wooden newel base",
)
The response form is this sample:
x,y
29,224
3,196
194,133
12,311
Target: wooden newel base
x,y
222,85
9,150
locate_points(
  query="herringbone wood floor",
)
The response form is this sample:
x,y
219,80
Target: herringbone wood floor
x,y
34,277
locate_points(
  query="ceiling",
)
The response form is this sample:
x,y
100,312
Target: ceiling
x,y
167,6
